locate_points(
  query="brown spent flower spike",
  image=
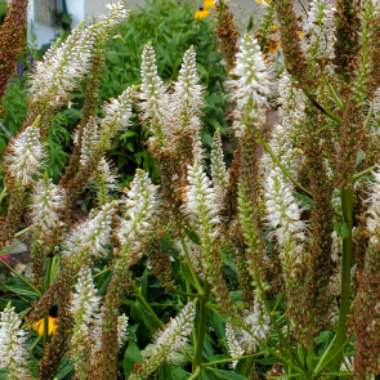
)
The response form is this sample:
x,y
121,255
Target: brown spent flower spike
x,y
12,38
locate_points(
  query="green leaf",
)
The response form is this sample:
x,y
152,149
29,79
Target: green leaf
x,y
132,355
139,313
203,376
22,291
127,134
324,337
207,139
304,199
173,373
301,354
227,375
65,369
360,157
342,230
4,372
130,147
217,323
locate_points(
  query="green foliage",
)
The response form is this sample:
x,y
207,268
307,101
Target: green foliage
x,y
14,109
3,10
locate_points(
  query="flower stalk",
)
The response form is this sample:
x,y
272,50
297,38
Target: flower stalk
x,y
200,327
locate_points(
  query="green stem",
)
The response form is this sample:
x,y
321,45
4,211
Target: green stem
x,y
197,284
46,330
147,306
195,374
321,108
24,231
33,346
231,359
201,326
247,367
103,271
48,275
363,172
3,194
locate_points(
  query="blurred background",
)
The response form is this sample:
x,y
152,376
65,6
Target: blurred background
x,y
47,17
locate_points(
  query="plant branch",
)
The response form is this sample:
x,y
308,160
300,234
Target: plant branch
x,y
363,172
230,359
195,374
324,110
147,306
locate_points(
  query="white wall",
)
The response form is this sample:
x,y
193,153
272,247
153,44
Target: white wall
x,y
40,34
94,8
90,9
76,8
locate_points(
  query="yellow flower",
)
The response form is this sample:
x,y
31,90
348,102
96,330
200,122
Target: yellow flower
x,y
39,326
201,13
263,2
209,4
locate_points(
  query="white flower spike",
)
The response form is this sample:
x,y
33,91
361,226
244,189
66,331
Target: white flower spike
x,y
26,155
141,204
13,353
85,305
46,206
251,89
172,339
89,239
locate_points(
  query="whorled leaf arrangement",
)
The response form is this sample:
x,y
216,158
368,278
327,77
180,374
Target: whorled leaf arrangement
x,y
297,191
